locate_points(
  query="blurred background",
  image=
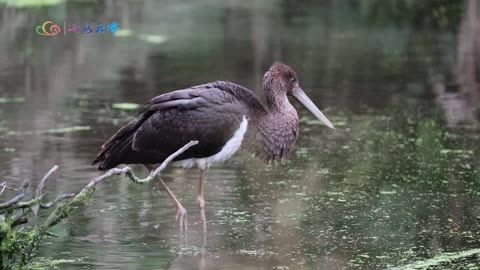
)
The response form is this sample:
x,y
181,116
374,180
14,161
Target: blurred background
x,y
397,182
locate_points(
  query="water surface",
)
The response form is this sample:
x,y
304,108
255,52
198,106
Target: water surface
x,y
397,182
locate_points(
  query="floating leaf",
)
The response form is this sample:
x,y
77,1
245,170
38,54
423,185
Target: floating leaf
x,y
157,39
323,171
67,129
12,100
125,106
123,33
339,123
453,151
31,3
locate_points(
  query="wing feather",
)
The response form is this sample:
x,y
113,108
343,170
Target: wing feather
x,y
208,113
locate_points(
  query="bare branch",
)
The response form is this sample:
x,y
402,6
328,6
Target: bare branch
x,y
65,210
162,166
44,180
17,198
4,187
40,187
57,200
13,201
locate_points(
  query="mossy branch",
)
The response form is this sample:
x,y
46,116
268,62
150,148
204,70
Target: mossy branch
x,y
17,247
87,192
57,200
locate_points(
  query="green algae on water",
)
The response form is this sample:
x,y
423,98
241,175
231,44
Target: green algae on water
x,y
125,106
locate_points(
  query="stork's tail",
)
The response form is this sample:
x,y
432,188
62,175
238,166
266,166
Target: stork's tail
x,y
118,149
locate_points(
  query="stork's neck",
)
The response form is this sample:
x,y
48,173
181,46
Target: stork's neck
x,y
277,130
276,102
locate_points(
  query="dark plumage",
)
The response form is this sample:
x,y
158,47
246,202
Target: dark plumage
x,y
209,113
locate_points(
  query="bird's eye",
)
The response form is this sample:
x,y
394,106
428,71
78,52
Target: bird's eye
x,y
292,79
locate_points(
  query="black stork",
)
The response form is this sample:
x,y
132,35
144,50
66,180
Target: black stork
x,y
220,115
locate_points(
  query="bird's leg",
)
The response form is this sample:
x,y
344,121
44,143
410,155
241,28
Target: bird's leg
x,y
201,201
181,212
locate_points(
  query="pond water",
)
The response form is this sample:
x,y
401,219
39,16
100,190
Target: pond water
x,y
398,182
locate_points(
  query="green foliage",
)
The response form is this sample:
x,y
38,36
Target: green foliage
x,y
17,248
443,14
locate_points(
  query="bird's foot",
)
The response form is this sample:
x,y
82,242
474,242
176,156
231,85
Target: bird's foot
x,y
182,218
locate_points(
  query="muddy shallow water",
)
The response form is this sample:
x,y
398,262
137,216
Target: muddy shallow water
x,y
396,183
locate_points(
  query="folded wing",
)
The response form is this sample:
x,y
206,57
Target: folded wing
x,y
209,113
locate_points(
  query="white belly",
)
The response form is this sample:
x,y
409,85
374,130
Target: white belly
x,y
227,151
